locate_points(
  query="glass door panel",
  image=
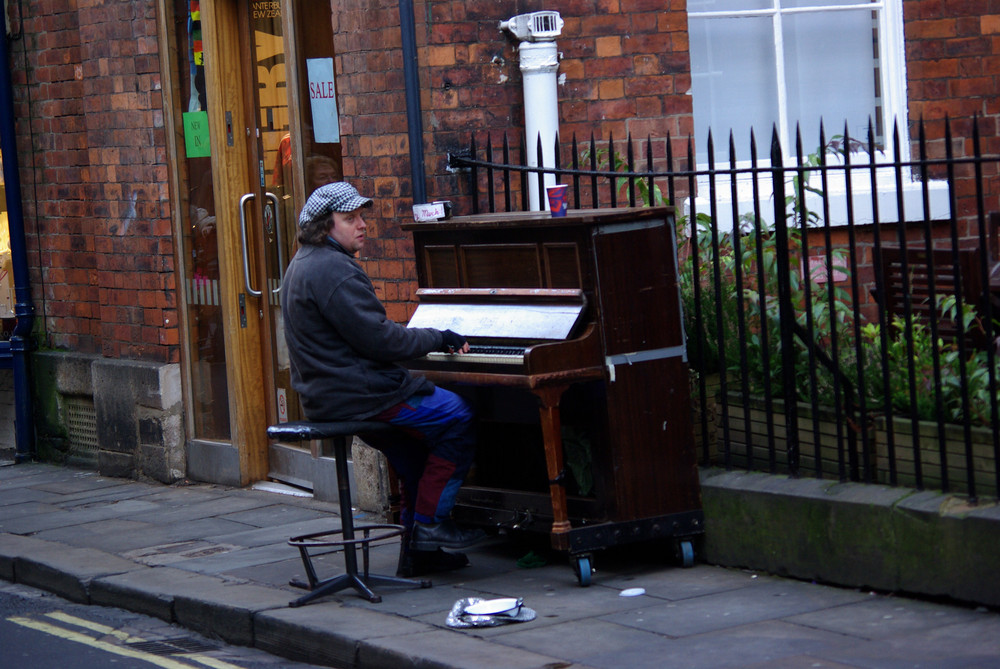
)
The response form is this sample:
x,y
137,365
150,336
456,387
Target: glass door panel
x,y
275,137
207,358
318,117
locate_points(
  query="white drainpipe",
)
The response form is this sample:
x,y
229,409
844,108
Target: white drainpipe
x,y
539,58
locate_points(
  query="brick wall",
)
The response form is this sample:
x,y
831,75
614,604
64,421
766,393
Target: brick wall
x,y
953,72
95,173
624,70
94,176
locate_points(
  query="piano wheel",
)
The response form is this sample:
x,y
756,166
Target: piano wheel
x,y
582,569
686,551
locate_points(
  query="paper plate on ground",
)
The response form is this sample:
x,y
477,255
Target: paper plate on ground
x,y
489,607
509,610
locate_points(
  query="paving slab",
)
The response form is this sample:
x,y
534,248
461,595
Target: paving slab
x,y
18,476
260,536
71,517
111,535
764,644
227,610
234,557
27,508
677,584
773,599
880,617
106,495
67,572
274,574
216,560
154,534
176,513
447,649
326,632
183,495
582,641
79,482
280,515
10,495
149,590
974,645
14,546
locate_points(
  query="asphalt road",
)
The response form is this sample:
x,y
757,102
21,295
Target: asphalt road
x,y
41,631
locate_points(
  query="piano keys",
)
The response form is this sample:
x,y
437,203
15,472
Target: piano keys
x,y
481,354
593,300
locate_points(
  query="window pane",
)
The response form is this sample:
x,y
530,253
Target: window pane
x,y
796,4
733,82
727,5
830,65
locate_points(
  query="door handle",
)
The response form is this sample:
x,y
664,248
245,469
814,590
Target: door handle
x,y
243,243
278,238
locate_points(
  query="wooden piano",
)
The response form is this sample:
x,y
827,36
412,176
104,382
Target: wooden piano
x,y
581,385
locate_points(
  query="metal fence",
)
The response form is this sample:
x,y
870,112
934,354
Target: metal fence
x,y
839,309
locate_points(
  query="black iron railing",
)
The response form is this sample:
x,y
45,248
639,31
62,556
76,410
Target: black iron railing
x,y
839,310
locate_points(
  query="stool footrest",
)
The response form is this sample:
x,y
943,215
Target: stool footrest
x,y
337,433
315,540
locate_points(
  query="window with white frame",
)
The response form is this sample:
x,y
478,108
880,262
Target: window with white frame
x,y
790,65
766,64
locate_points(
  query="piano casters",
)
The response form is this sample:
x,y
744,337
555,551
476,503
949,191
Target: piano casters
x,y
338,433
582,567
685,552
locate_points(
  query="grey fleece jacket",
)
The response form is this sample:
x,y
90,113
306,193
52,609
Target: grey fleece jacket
x,y
342,348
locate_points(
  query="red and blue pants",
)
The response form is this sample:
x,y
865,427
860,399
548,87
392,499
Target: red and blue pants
x,y
431,453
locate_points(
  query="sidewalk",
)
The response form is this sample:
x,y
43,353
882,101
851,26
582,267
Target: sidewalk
x,y
215,560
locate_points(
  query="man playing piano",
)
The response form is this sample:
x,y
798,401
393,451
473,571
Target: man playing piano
x,y
344,356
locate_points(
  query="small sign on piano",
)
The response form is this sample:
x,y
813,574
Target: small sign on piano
x,y
432,211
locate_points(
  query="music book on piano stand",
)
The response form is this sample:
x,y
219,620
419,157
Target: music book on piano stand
x,y
513,320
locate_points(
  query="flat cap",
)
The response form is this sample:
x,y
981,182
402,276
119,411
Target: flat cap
x,y
338,196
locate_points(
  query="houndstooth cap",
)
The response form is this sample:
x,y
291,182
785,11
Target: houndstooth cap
x,y
339,196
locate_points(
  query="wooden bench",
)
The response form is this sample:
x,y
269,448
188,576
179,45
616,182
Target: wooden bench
x,y
908,273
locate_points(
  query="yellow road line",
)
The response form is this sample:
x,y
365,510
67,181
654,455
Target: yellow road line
x,y
90,625
128,638
78,637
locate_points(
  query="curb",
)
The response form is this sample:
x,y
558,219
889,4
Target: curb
x,y
327,633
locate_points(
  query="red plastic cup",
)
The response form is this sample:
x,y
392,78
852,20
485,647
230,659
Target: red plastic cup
x,y
558,199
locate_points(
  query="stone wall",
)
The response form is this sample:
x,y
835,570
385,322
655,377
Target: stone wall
x,y
136,423
853,534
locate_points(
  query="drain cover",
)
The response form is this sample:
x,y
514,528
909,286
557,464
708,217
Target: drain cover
x,y
174,646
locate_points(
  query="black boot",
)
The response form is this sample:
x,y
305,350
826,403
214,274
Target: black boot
x,y
446,534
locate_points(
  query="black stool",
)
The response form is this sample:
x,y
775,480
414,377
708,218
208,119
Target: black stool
x,y
337,433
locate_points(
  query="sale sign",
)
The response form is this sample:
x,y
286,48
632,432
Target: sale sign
x,y
323,100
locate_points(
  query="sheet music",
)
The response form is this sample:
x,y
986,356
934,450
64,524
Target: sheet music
x,y
516,321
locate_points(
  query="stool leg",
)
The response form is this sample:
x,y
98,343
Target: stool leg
x,y
350,578
347,520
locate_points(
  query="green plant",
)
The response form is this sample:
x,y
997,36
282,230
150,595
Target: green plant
x,y
711,307
820,311
620,184
923,361
732,310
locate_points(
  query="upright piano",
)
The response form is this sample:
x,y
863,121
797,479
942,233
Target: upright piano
x,y
578,373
